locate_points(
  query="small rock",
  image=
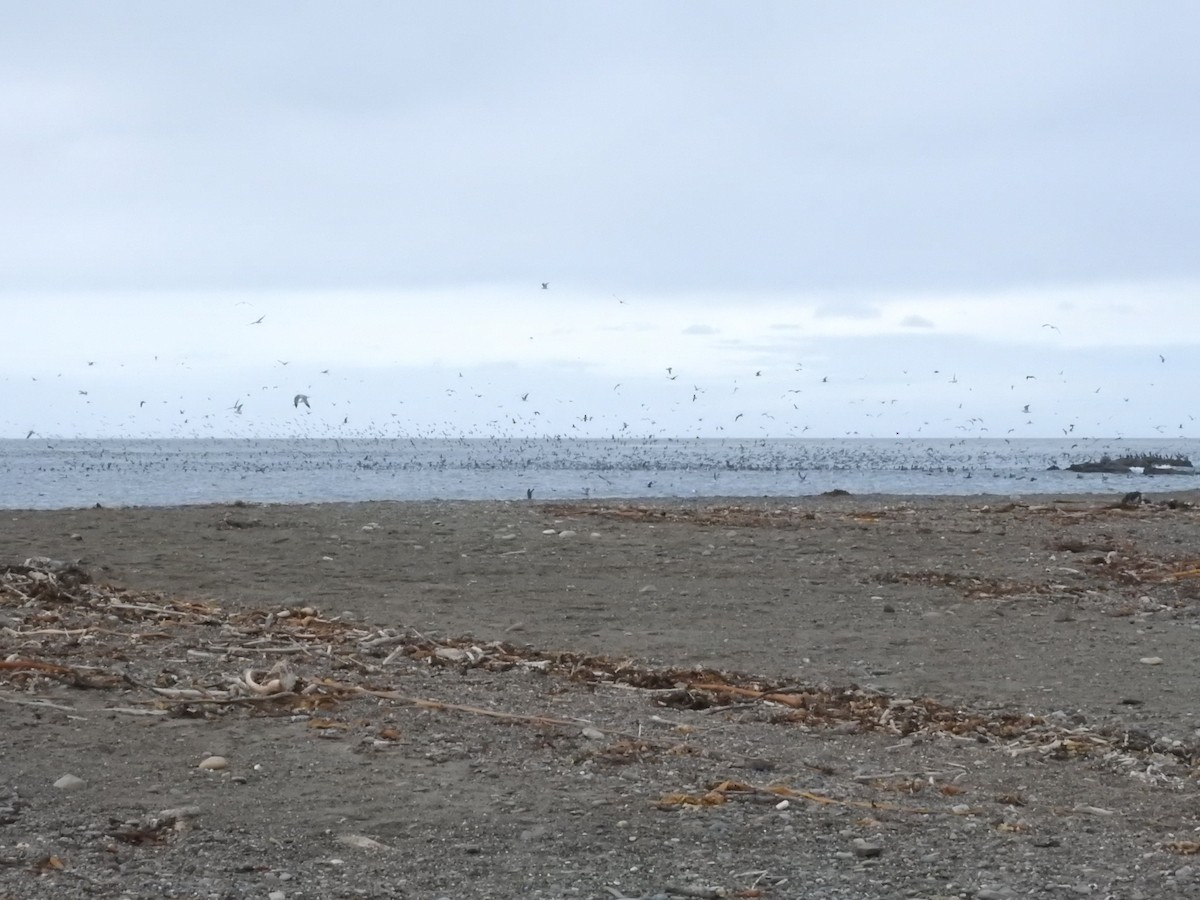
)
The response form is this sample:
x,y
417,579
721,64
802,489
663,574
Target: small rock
x,y
361,841
276,895
593,734
214,763
69,783
566,533
176,813
1151,660
864,849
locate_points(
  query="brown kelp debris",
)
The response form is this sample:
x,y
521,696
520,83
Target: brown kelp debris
x,y
176,657
1126,562
711,515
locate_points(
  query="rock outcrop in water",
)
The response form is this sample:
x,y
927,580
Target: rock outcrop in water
x,y
1146,464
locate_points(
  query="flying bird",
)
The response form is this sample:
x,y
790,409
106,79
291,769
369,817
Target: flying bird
x,y
300,398
545,285
1055,327
257,321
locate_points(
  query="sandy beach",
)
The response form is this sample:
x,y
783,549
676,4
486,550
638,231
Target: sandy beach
x,y
834,696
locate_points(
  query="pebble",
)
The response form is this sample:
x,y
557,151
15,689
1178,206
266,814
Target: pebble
x,y
1151,660
214,763
567,533
276,895
593,734
69,783
865,849
361,841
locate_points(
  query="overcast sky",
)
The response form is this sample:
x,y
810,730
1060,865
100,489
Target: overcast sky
x,y
755,219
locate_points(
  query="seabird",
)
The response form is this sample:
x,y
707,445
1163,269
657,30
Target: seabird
x,y
300,398
545,285
257,321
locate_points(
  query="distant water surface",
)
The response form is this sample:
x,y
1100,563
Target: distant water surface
x,y
39,474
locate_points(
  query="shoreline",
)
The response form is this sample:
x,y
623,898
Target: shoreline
x,y
1191,494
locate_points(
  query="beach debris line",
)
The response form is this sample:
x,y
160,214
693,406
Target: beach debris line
x,y
72,631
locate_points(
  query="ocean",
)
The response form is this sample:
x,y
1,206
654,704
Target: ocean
x,y
61,474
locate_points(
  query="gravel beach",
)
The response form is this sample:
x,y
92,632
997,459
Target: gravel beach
x,y
840,696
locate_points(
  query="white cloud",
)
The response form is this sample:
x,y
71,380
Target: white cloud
x,y
848,309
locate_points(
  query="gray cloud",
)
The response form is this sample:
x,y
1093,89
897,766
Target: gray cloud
x,y
403,145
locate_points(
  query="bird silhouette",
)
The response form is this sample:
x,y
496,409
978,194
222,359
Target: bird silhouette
x,y
545,285
300,398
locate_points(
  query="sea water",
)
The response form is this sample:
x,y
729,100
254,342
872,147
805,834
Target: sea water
x,y
56,474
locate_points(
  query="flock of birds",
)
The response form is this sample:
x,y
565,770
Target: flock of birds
x,y
773,403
